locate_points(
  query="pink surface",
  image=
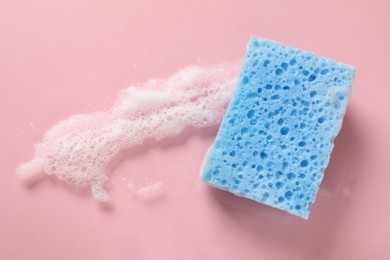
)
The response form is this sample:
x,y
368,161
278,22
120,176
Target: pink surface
x,y
59,58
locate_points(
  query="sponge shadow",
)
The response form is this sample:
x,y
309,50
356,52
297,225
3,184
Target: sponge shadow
x,y
311,239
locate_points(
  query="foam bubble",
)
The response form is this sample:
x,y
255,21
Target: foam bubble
x,y
77,150
149,189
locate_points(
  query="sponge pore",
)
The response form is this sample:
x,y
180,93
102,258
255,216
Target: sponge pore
x,y
276,138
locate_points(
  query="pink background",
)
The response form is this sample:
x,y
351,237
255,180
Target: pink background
x,y
59,58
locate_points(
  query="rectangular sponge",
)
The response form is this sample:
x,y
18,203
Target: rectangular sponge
x,y
277,135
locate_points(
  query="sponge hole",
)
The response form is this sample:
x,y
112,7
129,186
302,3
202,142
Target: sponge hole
x,y
284,130
250,113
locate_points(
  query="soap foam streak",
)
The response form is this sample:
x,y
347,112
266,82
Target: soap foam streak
x,y
77,150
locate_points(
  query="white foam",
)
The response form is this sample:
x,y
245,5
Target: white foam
x,y
149,189
77,150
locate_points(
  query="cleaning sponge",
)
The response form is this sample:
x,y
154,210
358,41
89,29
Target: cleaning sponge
x,y
277,135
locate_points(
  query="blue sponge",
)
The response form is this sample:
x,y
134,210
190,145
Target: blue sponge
x,y
277,135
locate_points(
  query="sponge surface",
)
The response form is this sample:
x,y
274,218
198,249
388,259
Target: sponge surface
x,y
277,135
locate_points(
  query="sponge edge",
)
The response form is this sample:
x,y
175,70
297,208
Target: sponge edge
x,y
276,138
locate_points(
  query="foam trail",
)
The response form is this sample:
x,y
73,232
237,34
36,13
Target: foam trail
x,y
77,150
